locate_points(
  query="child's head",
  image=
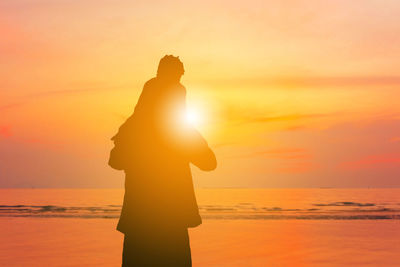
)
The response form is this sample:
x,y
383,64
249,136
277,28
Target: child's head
x,y
170,68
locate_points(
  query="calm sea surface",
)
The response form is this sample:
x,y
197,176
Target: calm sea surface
x,y
224,204
241,227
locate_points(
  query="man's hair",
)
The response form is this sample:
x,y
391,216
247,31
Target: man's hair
x,y
170,65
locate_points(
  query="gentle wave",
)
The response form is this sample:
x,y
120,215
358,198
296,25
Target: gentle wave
x,y
240,211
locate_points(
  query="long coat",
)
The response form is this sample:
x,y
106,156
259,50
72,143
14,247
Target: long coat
x,y
158,147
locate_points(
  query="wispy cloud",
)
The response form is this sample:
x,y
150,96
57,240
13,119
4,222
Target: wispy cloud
x,y
5,131
394,139
225,144
282,118
285,153
289,117
10,106
373,161
296,128
319,82
25,99
280,153
75,91
297,167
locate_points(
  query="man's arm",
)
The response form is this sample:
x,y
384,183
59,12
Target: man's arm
x,y
205,160
199,153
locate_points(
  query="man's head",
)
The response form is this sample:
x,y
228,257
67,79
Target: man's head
x,y
170,68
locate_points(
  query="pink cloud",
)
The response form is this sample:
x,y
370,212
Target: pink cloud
x,y
394,139
9,106
287,153
5,131
373,161
281,153
298,167
286,160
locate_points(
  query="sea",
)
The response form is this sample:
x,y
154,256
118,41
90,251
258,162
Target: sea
x,y
241,227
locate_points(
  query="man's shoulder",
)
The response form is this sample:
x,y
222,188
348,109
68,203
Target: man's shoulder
x,y
155,82
151,82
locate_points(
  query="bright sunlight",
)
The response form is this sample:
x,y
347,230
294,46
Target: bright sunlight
x,y
192,117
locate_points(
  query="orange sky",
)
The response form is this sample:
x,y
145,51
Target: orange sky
x,y
291,93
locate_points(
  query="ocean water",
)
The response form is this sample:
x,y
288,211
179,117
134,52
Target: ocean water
x,y
217,204
241,227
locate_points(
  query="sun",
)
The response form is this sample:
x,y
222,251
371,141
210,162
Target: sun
x,y
192,117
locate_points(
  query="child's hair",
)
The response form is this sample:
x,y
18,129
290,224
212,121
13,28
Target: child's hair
x,y
170,65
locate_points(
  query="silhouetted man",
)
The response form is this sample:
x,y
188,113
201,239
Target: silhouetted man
x,y
154,147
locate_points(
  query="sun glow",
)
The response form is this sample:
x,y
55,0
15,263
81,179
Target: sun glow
x,y
192,117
